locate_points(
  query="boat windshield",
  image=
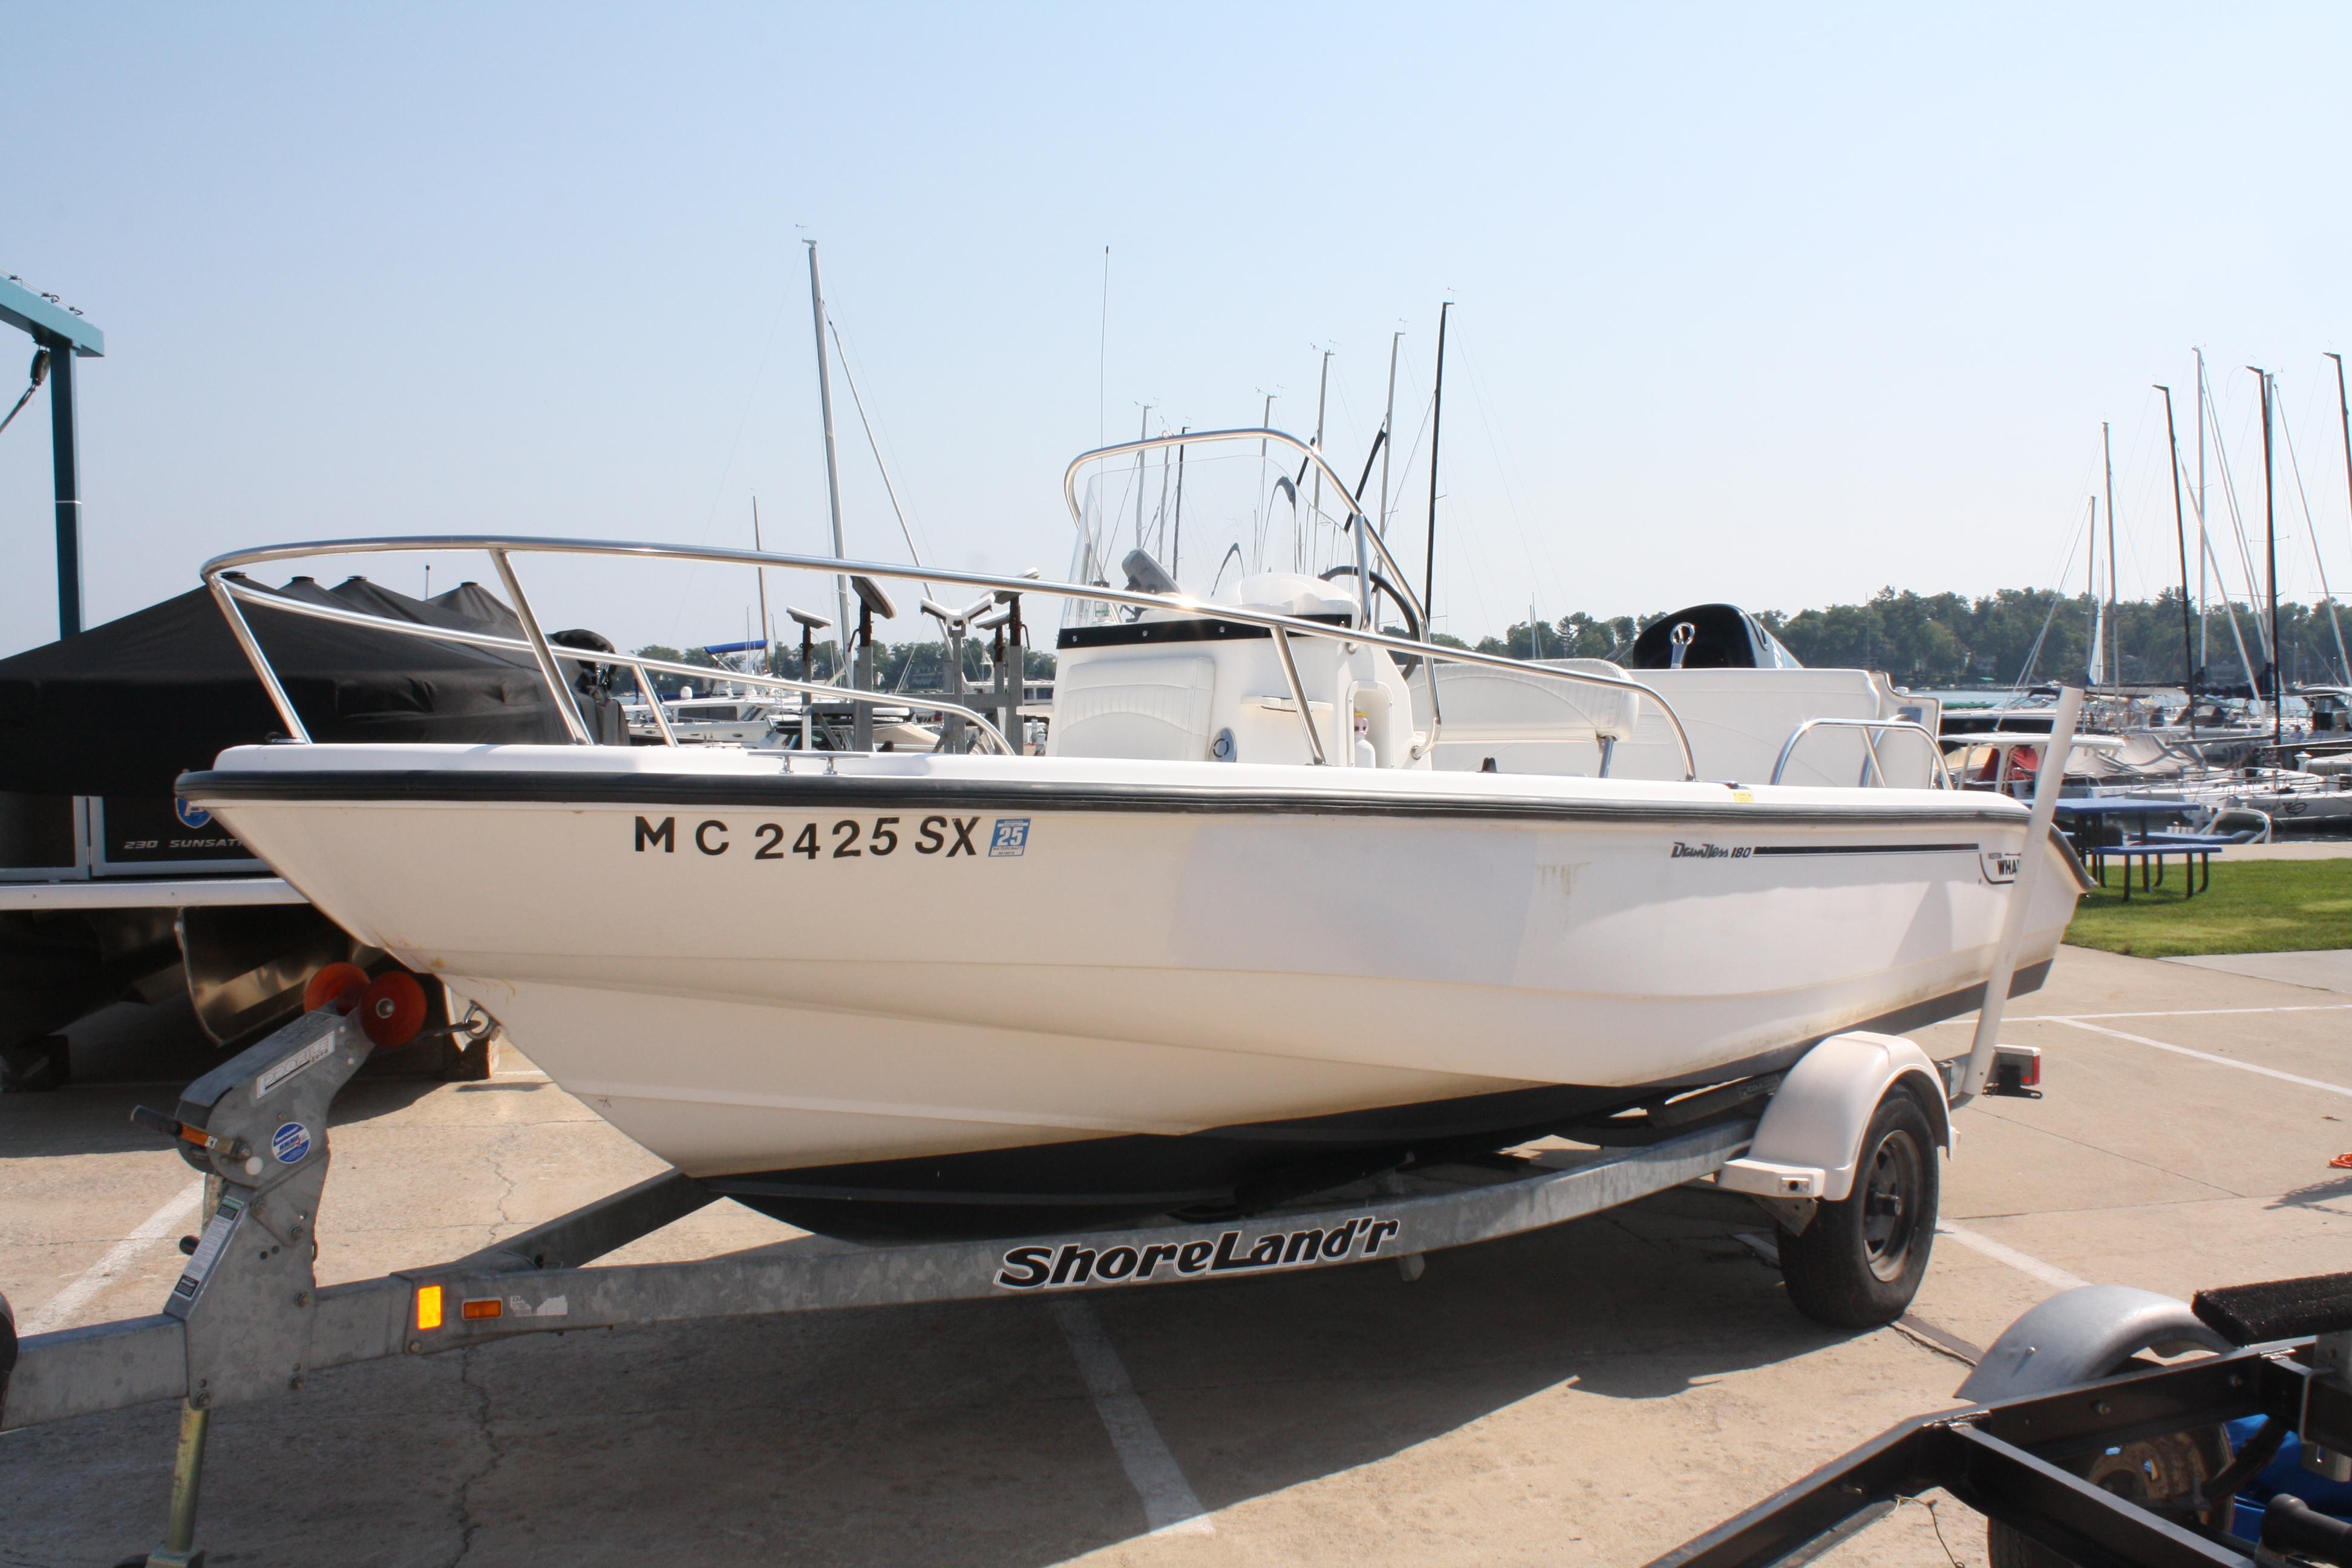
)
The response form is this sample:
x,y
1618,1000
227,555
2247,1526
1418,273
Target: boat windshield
x,y
1202,515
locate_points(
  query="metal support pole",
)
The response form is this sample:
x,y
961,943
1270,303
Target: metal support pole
x,y
557,687
2114,624
861,729
2046,786
1436,428
2180,538
1016,644
952,727
808,672
832,460
1298,694
65,454
188,1482
2269,570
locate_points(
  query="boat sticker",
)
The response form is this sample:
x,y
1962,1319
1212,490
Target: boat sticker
x,y
290,1143
190,815
318,1050
1711,851
1050,1268
553,1307
1999,865
208,1250
1010,838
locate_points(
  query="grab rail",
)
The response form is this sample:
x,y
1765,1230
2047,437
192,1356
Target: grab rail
x,y
638,664
1359,526
1871,730
1364,532
227,593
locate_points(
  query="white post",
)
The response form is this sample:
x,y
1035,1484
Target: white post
x,y
831,462
2046,786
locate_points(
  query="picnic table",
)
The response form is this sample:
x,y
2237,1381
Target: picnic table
x,y
2087,818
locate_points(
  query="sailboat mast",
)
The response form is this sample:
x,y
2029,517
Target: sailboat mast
x,y
1436,426
2181,537
1322,399
1143,433
2096,666
2344,413
2270,563
1176,550
1264,507
2115,639
1388,434
767,626
831,458
2205,545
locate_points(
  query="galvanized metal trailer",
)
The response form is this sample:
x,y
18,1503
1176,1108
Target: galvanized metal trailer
x,y
248,1321
2076,1462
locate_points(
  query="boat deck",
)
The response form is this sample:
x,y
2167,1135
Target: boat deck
x,y
1592,1394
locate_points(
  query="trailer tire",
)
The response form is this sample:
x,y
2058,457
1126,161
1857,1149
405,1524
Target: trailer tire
x,y
1860,1262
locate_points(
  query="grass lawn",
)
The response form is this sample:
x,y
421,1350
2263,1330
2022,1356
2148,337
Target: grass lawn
x,y
2253,905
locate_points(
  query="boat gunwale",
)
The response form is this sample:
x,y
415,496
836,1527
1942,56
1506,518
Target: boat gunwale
x,y
233,787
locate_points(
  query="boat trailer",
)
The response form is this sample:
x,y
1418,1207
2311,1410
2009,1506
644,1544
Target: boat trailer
x,y
2132,1469
248,1320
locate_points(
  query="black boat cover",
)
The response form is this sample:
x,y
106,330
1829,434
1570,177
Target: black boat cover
x,y
125,707
1722,636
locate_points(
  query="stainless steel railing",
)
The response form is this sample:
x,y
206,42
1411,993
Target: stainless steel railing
x,y
573,725
1871,730
1368,542
228,592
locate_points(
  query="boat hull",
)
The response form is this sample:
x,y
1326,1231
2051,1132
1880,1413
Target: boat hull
x,y
964,994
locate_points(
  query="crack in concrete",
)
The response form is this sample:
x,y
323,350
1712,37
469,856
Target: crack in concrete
x,y
506,1182
462,1500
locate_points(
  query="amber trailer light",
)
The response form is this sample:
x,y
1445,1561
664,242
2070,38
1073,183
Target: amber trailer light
x,y
490,1308
428,1306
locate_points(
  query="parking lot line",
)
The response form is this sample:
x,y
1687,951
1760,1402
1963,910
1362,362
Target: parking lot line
x,y
1170,1507
2180,1013
57,1310
2024,1262
2205,1057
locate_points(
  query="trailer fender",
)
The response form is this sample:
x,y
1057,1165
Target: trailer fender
x,y
1810,1137
2081,1335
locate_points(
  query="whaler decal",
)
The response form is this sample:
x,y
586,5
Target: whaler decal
x,y
1050,1268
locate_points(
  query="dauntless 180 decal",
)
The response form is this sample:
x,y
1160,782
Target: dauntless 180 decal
x,y
1049,1267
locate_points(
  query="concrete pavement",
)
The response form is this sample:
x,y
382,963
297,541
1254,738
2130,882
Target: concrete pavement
x,y
1589,1394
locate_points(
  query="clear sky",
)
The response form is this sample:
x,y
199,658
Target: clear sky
x,y
1770,304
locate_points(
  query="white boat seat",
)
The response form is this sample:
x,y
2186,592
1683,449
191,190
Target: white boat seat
x,y
1533,723
1153,708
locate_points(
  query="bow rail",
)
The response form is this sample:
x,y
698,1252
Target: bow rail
x,y
502,548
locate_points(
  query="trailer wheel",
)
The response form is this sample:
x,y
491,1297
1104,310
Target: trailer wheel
x,y
1860,1261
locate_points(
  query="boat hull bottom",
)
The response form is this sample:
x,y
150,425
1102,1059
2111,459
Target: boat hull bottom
x,y
1222,1172
1090,1182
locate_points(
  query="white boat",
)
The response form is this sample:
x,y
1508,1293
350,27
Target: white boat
x,y
883,995
714,721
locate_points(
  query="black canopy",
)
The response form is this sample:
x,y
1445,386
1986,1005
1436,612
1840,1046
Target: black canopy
x,y
125,707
